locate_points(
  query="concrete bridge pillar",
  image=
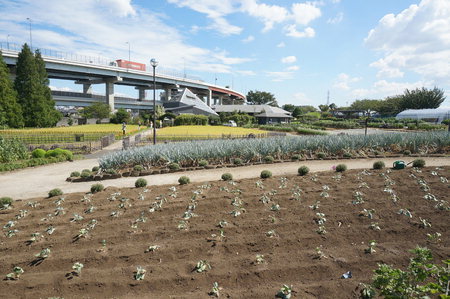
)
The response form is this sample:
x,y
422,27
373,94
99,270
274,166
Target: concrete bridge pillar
x,y
87,88
220,100
209,97
168,92
109,92
141,94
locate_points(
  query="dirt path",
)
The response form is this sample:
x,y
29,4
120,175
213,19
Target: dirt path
x,y
36,182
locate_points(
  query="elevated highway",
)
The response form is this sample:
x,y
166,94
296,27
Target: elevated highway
x,y
88,71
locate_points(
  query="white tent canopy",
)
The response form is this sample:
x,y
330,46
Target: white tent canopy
x,y
437,115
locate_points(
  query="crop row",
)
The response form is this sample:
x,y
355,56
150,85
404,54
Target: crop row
x,y
223,151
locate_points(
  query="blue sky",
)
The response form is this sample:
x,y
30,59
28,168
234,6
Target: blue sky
x,y
298,50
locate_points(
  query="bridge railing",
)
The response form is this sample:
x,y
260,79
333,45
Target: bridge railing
x,y
97,60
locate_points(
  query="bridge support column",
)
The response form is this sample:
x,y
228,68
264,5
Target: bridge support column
x,y
87,88
109,92
209,97
220,100
168,92
141,94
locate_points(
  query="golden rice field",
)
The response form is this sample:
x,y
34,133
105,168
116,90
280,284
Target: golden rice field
x,y
213,131
100,128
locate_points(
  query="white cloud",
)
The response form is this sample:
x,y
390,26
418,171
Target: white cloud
x,y
301,99
280,76
304,13
99,28
417,39
246,73
383,88
281,45
335,1
248,39
293,68
289,59
291,30
337,19
343,81
268,14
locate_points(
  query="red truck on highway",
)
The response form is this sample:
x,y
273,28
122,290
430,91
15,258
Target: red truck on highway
x,y
130,65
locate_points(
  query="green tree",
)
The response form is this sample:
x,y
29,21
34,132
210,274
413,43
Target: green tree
x,y
324,108
96,110
422,98
120,116
34,95
10,110
261,97
289,107
365,105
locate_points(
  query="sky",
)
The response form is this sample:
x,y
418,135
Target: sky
x,y
297,50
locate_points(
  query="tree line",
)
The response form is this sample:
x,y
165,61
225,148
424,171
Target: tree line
x,y
26,101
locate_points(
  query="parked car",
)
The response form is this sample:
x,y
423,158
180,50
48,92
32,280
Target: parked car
x,y
230,123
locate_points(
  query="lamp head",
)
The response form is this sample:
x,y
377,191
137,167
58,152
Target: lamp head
x,y
154,62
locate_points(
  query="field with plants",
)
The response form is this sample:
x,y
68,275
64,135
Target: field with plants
x,y
295,236
211,131
67,134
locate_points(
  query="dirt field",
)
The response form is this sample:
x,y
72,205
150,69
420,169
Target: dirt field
x,y
286,238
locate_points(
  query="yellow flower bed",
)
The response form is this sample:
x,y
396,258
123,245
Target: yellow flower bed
x,y
213,131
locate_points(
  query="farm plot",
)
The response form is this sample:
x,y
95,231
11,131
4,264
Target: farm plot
x,y
243,239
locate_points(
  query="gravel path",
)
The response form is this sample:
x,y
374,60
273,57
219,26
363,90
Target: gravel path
x,y
36,182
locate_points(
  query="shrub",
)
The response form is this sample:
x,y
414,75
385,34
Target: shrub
x,y
75,174
140,183
238,161
407,152
265,174
268,159
95,169
303,170
38,153
296,157
418,163
12,150
191,119
378,165
202,163
227,176
347,155
85,173
111,171
174,166
184,180
138,168
5,201
341,168
97,188
321,155
68,154
55,192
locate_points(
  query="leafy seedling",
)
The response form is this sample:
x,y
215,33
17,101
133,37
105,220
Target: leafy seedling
x,y
202,266
77,267
17,271
371,248
152,248
140,273
285,292
215,290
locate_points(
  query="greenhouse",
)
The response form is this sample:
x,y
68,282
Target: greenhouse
x,y
436,116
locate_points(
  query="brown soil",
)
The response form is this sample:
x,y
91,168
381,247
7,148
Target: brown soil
x,y
289,255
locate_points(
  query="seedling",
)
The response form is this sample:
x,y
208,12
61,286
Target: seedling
x,y
89,210
285,292
77,267
12,233
315,206
424,223
152,248
265,199
374,226
275,207
319,253
43,254
76,218
296,193
321,230
183,225
59,211
434,238
222,223
235,213
371,248
363,185
430,196
32,204
10,224
35,237
202,266
260,259
83,233
140,273
215,290
50,230
367,291
259,184
283,183
320,220
405,212
114,214
443,180
17,271
358,198
22,213
324,194
367,213
271,233
59,201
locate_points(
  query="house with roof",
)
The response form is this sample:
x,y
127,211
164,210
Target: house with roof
x,y
264,114
185,101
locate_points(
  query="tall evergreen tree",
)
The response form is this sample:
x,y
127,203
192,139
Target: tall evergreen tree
x,y
10,110
34,95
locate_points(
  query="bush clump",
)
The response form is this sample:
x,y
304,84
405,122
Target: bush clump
x,y
347,155
174,166
97,188
138,168
38,153
184,180
303,170
140,183
265,174
95,169
407,152
378,165
227,176
85,173
111,171
341,168
75,174
296,157
268,159
321,155
238,161
202,163
418,163
5,202
55,192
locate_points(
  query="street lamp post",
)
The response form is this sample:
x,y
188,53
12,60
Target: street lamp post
x,y
154,64
7,41
31,37
129,53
